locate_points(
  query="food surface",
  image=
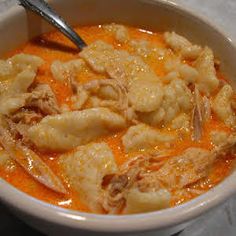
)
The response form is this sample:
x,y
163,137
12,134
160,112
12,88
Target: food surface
x,y
136,122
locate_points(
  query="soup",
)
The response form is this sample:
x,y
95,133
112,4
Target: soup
x,y
136,122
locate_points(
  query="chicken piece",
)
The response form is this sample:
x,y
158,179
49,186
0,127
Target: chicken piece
x,y
156,176
29,160
111,94
85,168
181,45
222,106
197,116
143,137
120,189
188,168
121,32
68,130
207,81
117,92
43,98
26,117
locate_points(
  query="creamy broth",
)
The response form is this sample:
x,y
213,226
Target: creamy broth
x,y
155,50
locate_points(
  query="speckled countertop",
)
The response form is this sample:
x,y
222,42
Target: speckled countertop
x,y
218,223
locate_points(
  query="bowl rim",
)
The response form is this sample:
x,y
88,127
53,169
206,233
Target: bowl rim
x,y
122,223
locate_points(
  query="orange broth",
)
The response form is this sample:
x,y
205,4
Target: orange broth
x,y
54,46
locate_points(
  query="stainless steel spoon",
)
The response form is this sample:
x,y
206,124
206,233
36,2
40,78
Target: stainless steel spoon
x,y
41,8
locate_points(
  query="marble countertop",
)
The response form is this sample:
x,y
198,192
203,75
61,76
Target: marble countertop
x,y
217,223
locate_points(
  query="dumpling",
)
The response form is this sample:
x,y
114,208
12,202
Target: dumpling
x,y
140,202
177,98
146,49
222,106
118,64
180,44
145,96
64,70
85,169
22,82
121,32
175,69
68,130
15,96
18,73
11,104
142,137
218,137
207,80
182,121
188,73
18,63
24,61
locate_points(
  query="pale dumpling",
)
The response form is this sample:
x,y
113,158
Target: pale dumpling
x,y
145,96
177,98
181,45
64,70
85,169
218,137
143,137
118,64
140,202
120,32
69,130
222,106
207,80
18,76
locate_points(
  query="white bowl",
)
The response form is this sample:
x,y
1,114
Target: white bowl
x,y
16,27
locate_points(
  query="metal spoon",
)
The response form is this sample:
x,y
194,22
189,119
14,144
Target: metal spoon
x,y
41,8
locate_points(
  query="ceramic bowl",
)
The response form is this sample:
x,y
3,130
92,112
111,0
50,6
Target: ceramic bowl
x,y
17,26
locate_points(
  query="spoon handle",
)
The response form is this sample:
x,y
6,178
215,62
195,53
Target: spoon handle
x,y
43,9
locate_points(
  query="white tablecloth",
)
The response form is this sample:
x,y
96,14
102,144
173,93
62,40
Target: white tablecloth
x,y
219,223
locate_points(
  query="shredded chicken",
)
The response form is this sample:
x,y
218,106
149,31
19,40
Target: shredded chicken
x,y
29,160
26,116
43,98
197,119
116,100
151,174
201,113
